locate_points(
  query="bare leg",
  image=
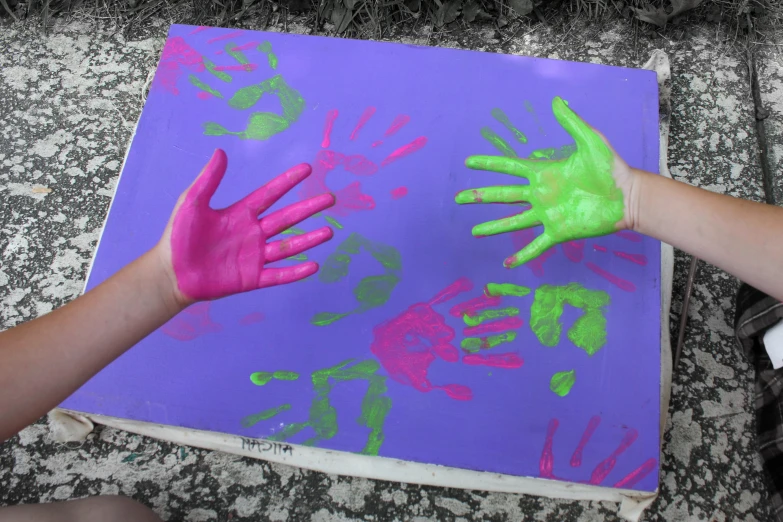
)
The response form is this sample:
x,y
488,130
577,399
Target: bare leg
x,y
93,509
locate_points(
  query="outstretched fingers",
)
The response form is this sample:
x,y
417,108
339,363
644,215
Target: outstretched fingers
x,y
277,250
289,274
502,194
264,197
526,219
289,216
536,247
522,168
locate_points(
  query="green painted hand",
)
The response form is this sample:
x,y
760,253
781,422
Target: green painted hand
x,y
577,197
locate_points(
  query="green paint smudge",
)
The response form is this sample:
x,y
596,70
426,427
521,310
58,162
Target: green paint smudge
x,y
327,318
262,378
262,125
131,457
529,107
333,222
588,331
323,416
474,344
372,291
252,420
502,289
475,320
239,56
499,143
203,86
562,382
183,454
293,231
502,117
210,66
298,257
266,48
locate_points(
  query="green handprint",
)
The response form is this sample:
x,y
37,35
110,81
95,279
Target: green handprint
x,y
573,198
260,125
372,291
588,331
323,416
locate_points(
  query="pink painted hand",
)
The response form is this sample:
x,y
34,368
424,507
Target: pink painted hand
x,y
216,253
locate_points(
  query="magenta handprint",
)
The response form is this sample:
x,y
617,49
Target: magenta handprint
x,y
211,80
603,468
351,198
408,344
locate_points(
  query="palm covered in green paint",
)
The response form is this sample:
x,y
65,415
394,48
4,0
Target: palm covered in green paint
x,y
577,197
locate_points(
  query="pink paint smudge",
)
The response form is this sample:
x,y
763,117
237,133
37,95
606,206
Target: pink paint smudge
x,y
350,198
501,325
639,259
239,67
617,281
638,474
328,125
399,122
363,119
471,306
409,343
244,47
376,143
497,360
521,239
399,192
176,57
203,95
574,250
607,465
630,235
192,322
199,29
225,37
405,150
576,458
546,465
251,318
600,248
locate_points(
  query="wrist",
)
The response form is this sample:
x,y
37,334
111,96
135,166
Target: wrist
x,y
158,273
633,192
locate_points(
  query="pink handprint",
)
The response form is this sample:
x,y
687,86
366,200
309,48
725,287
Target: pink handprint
x,y
351,198
408,344
603,468
575,252
222,252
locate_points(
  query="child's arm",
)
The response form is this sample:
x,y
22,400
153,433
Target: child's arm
x,y
594,192
203,254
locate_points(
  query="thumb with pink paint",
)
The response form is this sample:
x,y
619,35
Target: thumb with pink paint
x,y
210,253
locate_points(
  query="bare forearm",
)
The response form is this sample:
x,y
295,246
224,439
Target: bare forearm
x,y
43,361
742,237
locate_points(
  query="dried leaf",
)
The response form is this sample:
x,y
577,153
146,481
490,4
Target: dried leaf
x,y
350,4
341,17
448,12
657,17
521,7
470,10
680,6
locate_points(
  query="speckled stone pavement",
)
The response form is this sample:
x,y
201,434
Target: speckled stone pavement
x,y
68,104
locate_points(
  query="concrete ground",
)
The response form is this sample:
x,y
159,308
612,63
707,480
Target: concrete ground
x,y
68,104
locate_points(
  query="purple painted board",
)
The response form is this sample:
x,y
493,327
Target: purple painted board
x,y
398,222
